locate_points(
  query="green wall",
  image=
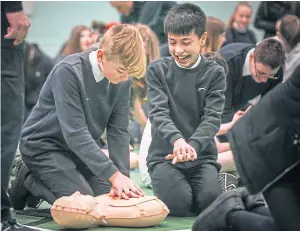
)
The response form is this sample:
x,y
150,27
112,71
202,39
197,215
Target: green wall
x,y
51,22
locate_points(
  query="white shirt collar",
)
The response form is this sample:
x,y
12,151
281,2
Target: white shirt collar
x,y
246,67
98,74
195,64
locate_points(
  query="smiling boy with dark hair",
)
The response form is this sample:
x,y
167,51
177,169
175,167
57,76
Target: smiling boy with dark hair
x,y
186,96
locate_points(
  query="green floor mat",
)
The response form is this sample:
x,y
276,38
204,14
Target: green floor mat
x,y
40,217
170,223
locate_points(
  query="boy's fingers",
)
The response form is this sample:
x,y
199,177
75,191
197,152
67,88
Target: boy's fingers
x,y
174,160
124,196
169,157
188,157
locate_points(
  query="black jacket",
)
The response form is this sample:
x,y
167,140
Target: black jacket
x,y
152,14
262,141
234,36
37,67
269,12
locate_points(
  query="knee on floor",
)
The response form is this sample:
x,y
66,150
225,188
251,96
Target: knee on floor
x,y
180,206
206,199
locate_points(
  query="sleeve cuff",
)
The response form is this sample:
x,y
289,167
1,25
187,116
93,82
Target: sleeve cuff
x,y
195,144
175,137
11,7
109,172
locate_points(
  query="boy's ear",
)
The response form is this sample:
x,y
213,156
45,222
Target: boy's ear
x,y
203,38
100,55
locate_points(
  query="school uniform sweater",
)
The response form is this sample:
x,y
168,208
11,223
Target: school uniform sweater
x,y
74,108
234,36
241,89
184,103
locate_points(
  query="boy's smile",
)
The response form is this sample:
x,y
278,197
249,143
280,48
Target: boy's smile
x,y
185,49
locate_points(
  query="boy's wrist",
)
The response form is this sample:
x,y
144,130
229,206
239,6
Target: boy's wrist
x,y
114,176
175,137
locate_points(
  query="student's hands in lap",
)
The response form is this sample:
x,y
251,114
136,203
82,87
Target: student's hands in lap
x,y
182,152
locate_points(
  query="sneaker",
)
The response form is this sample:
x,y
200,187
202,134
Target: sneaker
x,y
17,192
228,181
214,218
14,226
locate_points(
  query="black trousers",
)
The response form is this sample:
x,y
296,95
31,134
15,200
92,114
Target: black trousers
x,y
12,110
56,174
185,190
283,199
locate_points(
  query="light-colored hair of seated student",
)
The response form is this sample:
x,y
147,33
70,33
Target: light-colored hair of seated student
x,y
73,43
215,29
231,19
289,31
151,42
124,43
218,58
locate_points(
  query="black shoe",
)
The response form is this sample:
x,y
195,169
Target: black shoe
x,y
34,202
252,201
214,218
228,181
14,226
17,192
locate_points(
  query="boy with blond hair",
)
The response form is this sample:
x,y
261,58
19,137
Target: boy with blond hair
x,y
84,94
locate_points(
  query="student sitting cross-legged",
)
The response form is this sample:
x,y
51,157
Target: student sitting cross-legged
x,y
186,100
60,141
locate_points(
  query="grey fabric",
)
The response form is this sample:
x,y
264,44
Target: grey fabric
x,y
54,175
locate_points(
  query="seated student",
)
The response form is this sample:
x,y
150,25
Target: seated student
x,y
238,26
186,100
37,67
215,35
139,101
79,41
253,71
83,95
268,157
288,32
267,154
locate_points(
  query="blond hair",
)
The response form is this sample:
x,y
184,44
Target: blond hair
x,y
151,42
215,28
231,19
125,43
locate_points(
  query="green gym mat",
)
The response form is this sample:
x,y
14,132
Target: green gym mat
x,y
40,217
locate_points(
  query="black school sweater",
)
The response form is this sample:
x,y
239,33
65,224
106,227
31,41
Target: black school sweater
x,y
241,89
184,103
234,36
71,114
